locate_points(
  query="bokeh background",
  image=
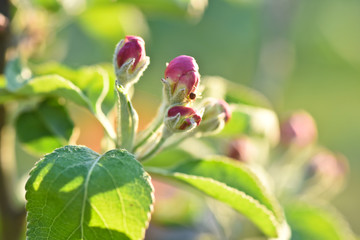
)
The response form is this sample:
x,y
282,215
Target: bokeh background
x,y
300,54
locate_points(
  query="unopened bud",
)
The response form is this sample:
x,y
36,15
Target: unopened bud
x,y
326,174
130,60
182,119
328,165
242,149
181,80
216,113
299,129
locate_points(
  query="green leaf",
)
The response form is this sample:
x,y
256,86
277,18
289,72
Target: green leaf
x,y
90,87
16,76
253,121
168,158
19,81
45,128
96,83
234,184
166,7
232,92
75,193
239,94
117,20
309,221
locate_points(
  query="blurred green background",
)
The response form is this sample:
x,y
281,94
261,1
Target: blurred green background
x,y
300,54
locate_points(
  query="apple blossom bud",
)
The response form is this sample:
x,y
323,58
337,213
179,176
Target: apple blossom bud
x,y
181,80
216,113
299,129
243,150
325,174
182,119
130,60
328,165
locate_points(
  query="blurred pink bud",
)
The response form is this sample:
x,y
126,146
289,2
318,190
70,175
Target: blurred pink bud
x,y
217,112
242,149
299,129
328,165
133,47
180,118
182,74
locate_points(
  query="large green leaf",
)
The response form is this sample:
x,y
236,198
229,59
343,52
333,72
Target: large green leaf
x,y
234,184
75,193
312,222
44,128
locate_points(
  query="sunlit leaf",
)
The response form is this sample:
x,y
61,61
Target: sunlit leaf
x,y
75,193
233,184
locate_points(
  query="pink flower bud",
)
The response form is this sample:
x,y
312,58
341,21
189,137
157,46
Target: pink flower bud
x,y
242,149
180,118
216,113
182,77
328,165
299,129
133,47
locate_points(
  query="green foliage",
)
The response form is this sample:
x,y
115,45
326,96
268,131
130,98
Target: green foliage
x,y
232,183
44,128
75,193
162,159
309,221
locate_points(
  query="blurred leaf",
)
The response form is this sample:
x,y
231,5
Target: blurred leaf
x,y
5,95
252,121
168,158
45,128
166,7
85,195
113,21
49,5
16,76
90,87
231,92
234,184
56,86
94,81
240,94
316,222
238,124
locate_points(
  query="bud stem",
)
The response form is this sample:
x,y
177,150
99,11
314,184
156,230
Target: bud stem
x,y
127,120
152,128
165,135
98,111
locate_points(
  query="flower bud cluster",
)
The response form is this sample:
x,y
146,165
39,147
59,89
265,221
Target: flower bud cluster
x,y
181,81
181,84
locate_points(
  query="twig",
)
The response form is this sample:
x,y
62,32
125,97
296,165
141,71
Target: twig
x,y
12,219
